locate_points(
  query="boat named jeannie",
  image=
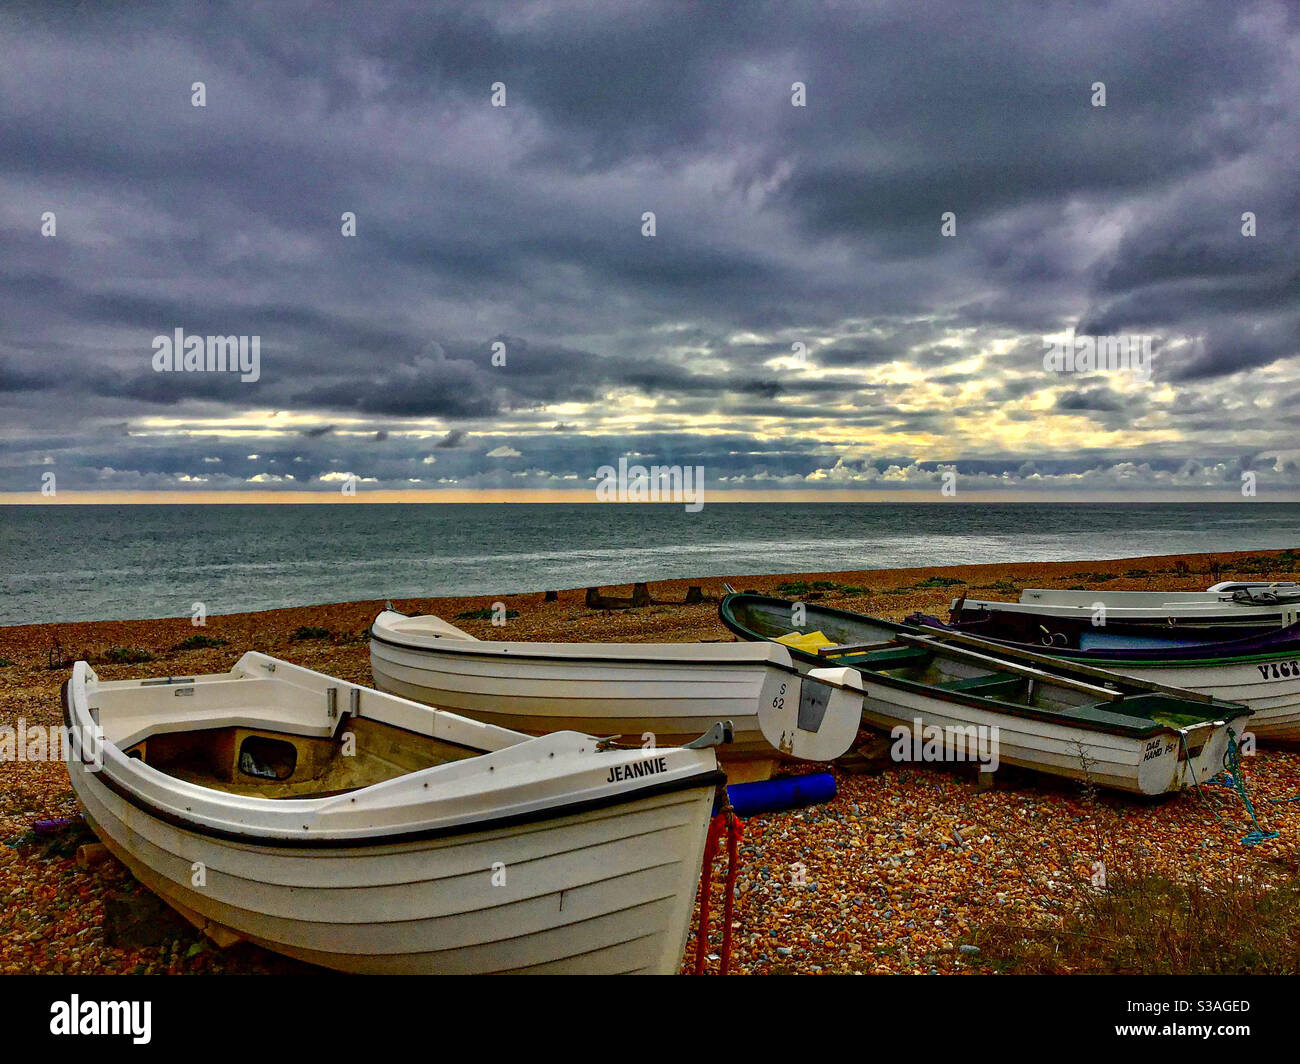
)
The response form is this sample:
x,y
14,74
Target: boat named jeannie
x,y
360,831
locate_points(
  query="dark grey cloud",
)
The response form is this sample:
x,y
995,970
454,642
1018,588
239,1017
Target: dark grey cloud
x,y
521,225
1100,398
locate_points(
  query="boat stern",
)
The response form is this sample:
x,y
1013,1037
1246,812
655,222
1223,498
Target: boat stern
x,y
1185,757
814,717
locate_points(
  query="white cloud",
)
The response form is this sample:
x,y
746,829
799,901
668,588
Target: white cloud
x,y
328,478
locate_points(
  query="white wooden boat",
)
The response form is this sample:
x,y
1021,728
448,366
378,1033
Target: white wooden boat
x,y
1047,716
367,833
1261,670
661,693
1248,604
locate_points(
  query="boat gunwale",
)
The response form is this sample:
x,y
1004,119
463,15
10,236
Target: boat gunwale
x,y
482,649
1069,654
1095,656
713,777
1136,615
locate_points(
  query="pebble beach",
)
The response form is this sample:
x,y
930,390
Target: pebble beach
x,y
901,873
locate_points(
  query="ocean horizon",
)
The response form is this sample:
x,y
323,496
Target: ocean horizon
x,y
129,562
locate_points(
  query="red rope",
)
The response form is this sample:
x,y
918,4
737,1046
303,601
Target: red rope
x,y
729,822
710,850
728,903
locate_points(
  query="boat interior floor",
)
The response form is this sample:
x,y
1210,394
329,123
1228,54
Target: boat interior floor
x,y
265,763
1076,702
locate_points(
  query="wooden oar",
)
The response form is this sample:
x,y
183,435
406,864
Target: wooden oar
x,y
836,649
1002,665
938,636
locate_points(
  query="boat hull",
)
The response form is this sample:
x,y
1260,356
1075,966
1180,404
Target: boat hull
x,y
450,848
603,892
1146,766
664,701
1179,609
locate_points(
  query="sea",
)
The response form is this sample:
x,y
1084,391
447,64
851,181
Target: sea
x,y
109,562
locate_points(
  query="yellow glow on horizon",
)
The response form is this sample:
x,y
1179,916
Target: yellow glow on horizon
x,y
588,495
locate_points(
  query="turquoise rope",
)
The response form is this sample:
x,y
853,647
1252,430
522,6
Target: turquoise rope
x,y
1232,762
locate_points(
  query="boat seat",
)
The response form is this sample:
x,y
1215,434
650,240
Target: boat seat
x,y
1099,715
985,686
254,718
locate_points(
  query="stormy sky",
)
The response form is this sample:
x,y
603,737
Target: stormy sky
x,y
799,318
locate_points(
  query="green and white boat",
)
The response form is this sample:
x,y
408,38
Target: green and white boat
x,y
994,704
1260,670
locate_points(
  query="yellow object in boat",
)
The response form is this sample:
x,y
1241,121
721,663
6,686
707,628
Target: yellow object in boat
x,y
808,642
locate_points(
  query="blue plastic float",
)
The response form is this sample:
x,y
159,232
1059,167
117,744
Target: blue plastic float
x,y
787,792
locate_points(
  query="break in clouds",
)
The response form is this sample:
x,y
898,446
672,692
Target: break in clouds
x,y
800,246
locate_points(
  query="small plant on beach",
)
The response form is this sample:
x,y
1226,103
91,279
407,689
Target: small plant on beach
x,y
930,583
1261,563
1147,924
1002,587
1116,908
1095,578
485,614
938,581
200,642
305,631
125,656
5,663
55,658
804,587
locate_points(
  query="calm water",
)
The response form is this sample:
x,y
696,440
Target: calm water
x,y
71,563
